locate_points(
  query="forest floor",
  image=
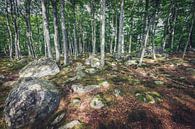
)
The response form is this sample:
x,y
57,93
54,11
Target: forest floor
x,y
158,95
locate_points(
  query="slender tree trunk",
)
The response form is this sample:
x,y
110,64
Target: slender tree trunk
x,y
189,35
144,47
9,31
147,29
94,35
75,32
121,34
102,47
130,43
28,28
14,10
116,34
56,33
64,35
173,27
46,28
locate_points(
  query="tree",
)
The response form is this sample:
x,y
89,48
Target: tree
x,y
64,32
9,30
14,12
102,48
46,28
147,30
56,35
190,31
31,50
121,33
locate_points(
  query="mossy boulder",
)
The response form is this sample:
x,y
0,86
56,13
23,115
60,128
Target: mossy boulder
x,y
30,102
40,68
149,97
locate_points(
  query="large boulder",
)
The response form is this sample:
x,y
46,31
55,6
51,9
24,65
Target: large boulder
x,y
30,102
40,68
93,62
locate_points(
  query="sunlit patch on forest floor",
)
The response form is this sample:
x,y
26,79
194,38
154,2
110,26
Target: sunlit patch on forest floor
x,y
158,95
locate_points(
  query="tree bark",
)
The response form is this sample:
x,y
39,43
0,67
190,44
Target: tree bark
x,y
121,33
9,31
189,35
28,28
102,47
46,28
14,10
56,33
75,32
147,30
64,35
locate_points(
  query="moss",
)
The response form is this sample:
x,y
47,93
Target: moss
x,y
148,97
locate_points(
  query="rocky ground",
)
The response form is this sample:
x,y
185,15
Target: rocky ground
x,y
158,95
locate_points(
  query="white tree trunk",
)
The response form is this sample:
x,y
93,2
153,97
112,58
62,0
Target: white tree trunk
x,y
46,28
102,47
56,35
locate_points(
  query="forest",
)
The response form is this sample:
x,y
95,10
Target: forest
x,y
97,64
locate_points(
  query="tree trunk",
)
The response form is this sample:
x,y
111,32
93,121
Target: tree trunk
x,y
14,10
64,35
121,34
173,27
28,28
56,35
46,28
94,35
75,32
102,47
9,31
147,30
116,34
189,35
144,47
130,43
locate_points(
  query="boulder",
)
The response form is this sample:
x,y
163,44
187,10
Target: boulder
x,y
40,68
104,84
59,118
71,125
131,62
90,71
93,62
117,92
159,82
30,102
78,88
97,103
76,102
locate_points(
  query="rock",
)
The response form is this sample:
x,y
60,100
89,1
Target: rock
x,y
117,92
40,68
76,101
192,62
58,119
191,70
79,71
9,83
2,77
97,103
94,62
149,97
159,82
131,62
84,89
90,70
105,84
71,125
31,101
